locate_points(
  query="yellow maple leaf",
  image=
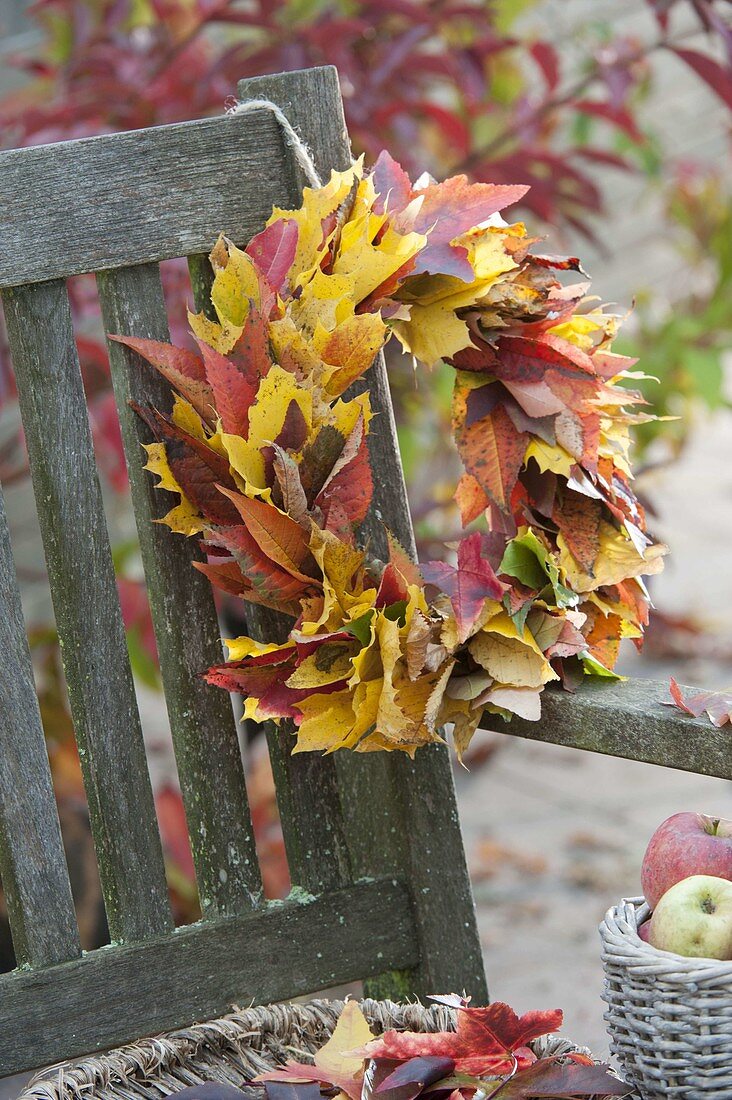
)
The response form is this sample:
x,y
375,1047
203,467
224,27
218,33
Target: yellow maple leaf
x,y
277,391
293,349
370,264
221,337
512,657
617,560
235,285
433,330
584,329
239,648
464,717
184,519
330,722
330,663
550,457
317,205
349,350
326,300
336,1058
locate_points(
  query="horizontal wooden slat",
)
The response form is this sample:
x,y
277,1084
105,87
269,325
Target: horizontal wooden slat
x,y
112,995
627,720
186,627
88,618
138,197
34,874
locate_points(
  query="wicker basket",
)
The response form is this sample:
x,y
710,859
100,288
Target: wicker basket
x,y
669,1017
233,1050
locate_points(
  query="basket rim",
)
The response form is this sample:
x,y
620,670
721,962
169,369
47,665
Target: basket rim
x,y
133,1066
147,1058
621,943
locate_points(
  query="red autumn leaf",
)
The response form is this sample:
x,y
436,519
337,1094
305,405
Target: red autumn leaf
x,y
225,574
273,250
715,75
388,1080
549,1078
602,636
558,263
451,208
578,518
392,587
350,490
350,484
392,184
470,499
266,581
478,357
578,391
487,1040
202,473
294,430
468,585
281,539
493,450
615,115
527,360
399,557
250,678
251,352
233,392
290,1090
716,704
183,369
164,356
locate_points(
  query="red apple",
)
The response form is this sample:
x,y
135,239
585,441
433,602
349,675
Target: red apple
x,y
644,930
686,844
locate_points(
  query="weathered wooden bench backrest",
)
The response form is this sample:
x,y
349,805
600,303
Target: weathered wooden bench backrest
x,y
373,843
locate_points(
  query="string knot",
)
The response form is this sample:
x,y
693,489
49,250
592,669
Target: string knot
x,y
300,151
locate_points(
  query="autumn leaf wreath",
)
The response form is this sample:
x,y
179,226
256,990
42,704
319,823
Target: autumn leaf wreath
x,y
270,457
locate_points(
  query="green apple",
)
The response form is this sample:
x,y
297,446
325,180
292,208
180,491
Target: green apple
x,y
694,918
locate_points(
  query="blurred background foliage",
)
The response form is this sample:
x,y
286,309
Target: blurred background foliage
x,y
498,89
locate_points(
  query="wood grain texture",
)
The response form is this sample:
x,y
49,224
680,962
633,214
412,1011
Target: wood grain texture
x,y
627,720
34,874
137,197
88,618
186,626
120,993
308,796
402,815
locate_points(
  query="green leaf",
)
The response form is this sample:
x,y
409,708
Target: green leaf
x,y
593,667
527,559
361,627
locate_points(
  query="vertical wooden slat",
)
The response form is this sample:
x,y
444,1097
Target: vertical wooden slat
x,y
34,874
308,797
402,815
186,627
88,618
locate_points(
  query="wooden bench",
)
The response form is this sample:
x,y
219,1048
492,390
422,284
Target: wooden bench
x,y
373,843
